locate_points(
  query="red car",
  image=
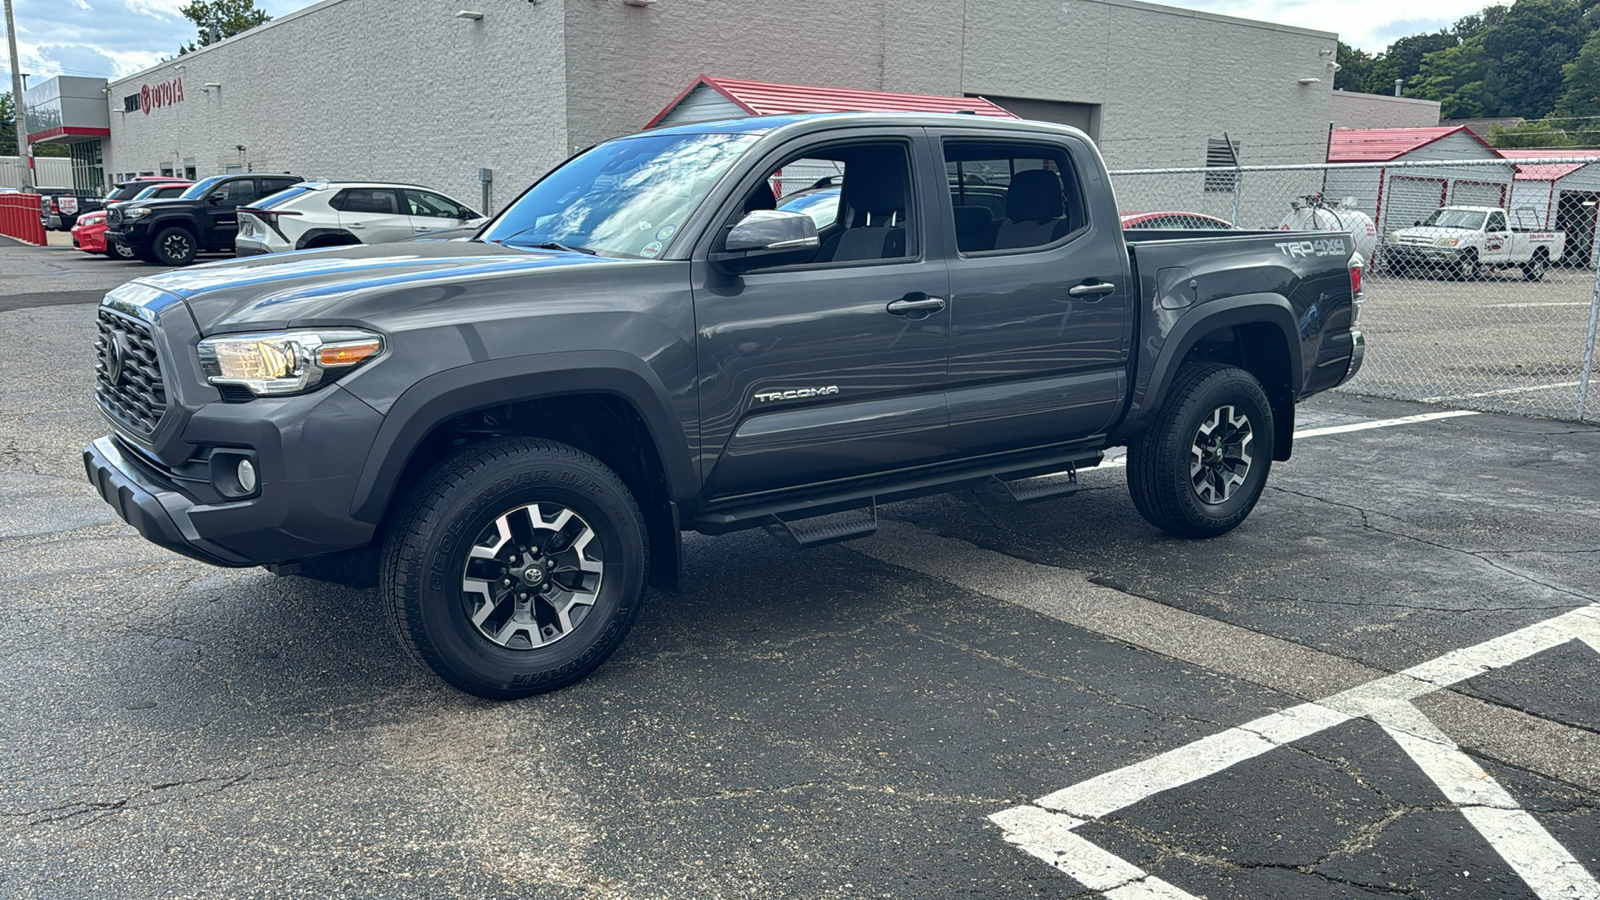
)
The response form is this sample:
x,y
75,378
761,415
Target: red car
x,y
89,235
1187,221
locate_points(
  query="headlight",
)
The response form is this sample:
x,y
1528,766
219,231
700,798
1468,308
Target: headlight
x,y
288,362
1446,242
1392,237
135,213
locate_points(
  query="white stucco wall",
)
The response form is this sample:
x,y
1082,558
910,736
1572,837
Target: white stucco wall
x,y
397,90
1353,110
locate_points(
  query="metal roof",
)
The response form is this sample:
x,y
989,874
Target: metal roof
x,y
1388,144
760,98
1549,171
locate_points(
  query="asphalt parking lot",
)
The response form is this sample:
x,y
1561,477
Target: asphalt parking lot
x,y
1382,685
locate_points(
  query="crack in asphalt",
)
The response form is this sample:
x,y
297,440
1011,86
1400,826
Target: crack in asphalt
x,y
1480,555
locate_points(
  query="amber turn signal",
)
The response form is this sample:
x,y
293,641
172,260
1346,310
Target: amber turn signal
x,y
348,354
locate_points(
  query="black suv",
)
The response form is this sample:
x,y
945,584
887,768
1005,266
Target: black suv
x,y
204,217
510,432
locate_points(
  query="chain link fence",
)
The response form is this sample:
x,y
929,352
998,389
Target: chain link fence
x,y
1481,274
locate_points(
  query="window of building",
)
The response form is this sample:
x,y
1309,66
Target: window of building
x,y
1011,196
1222,153
166,170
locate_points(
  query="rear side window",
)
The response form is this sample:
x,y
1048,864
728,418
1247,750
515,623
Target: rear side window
x,y
373,201
1011,196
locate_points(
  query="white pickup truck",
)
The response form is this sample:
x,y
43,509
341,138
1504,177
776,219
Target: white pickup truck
x,y
1468,241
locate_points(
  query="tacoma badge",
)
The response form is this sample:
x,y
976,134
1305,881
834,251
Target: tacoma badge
x,y
796,394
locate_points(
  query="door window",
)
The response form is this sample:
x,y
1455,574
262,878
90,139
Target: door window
x,y
235,193
859,195
1011,196
433,206
1497,221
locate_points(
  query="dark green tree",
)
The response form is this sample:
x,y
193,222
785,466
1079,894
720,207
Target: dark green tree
x,y
1531,135
1454,77
1580,80
1526,51
1403,59
1355,65
221,19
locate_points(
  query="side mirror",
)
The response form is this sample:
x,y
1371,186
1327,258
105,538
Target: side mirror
x,y
767,237
216,197
1417,224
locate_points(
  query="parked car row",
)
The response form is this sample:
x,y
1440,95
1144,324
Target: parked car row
x,y
169,222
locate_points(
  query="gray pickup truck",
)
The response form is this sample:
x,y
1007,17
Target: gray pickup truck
x,y
509,434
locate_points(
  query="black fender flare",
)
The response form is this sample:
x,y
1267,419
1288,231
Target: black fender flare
x,y
311,235
453,392
1201,320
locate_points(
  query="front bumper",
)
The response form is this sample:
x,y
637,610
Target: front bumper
x,y
1417,255
154,508
89,240
308,451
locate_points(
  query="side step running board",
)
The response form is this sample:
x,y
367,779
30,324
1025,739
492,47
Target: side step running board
x,y
817,531
1043,487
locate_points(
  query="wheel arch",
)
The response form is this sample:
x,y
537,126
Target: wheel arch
x,y
304,241
1256,332
597,401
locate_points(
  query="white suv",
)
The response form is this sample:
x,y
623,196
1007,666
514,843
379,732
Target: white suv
x,y
330,214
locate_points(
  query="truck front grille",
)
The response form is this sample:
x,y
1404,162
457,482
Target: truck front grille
x,y
128,382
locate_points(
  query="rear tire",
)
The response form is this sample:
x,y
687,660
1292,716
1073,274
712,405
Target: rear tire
x,y
516,567
1534,269
1200,466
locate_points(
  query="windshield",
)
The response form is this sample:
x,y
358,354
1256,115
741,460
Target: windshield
x,y
623,198
1469,219
201,188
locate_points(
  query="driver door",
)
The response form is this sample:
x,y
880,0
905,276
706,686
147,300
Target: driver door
x,y
832,367
222,210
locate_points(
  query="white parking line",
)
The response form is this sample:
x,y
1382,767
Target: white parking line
x,y
1342,429
1515,390
1383,423
1548,868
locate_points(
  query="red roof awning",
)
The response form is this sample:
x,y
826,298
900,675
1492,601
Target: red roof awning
x,y
760,98
1550,171
1388,144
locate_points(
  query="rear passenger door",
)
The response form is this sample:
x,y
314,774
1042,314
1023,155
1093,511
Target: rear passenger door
x,y
373,215
1041,298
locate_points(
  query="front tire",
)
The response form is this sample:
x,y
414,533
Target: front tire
x,y
120,251
1200,466
1467,266
174,246
516,567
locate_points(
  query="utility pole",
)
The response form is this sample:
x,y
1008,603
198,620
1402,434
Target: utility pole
x,y
16,101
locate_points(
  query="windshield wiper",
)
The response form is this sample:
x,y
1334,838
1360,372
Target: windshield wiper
x,y
557,245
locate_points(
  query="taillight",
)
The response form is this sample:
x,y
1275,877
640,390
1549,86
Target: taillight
x,y
1356,300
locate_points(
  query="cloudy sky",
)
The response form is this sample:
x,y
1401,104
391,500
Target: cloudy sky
x,y
110,38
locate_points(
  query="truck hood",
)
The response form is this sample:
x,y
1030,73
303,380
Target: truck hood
x,y
345,283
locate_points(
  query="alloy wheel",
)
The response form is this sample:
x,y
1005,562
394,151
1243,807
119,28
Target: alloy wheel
x,y
1220,455
532,576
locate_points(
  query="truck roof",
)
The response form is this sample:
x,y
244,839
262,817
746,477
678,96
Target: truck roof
x,y
807,121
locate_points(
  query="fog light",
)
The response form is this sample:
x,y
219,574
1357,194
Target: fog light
x,y
247,476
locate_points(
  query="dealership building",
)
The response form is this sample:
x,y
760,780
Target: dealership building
x,y
457,93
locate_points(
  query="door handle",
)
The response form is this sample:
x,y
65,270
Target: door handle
x,y
1091,291
915,303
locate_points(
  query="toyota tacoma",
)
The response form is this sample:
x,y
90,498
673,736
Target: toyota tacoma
x,y
509,434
